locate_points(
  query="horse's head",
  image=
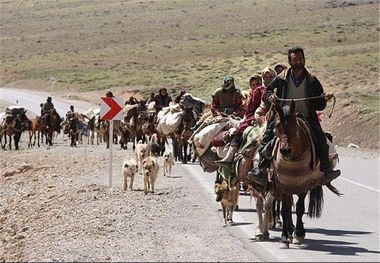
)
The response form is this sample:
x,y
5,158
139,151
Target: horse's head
x,y
286,128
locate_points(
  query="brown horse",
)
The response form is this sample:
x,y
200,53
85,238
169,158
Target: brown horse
x,y
183,133
35,129
296,171
134,119
53,122
14,125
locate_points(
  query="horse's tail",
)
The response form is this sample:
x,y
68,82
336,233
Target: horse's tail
x,y
315,202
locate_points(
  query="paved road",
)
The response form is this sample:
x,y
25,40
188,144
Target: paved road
x,y
347,231
32,101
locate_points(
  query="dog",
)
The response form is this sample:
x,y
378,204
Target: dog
x,y
228,198
150,172
168,163
141,152
129,170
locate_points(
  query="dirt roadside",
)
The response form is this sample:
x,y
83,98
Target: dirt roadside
x,y
58,207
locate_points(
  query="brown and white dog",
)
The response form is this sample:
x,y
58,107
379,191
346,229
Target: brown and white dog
x,y
228,198
150,172
129,170
168,163
141,152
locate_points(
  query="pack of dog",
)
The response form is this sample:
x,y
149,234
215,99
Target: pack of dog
x,y
168,163
129,170
228,198
150,172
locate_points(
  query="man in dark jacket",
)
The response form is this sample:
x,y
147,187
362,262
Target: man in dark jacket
x,y
296,82
162,99
46,111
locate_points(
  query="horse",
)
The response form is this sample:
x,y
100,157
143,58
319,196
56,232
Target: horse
x,y
53,124
14,124
244,162
295,170
134,118
149,128
183,133
73,128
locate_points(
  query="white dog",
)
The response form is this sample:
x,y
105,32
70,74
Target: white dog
x,y
129,170
141,152
150,166
168,163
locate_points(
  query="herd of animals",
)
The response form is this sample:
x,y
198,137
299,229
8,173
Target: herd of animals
x,y
149,131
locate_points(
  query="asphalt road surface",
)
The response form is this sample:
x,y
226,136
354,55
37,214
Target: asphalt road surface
x,y
347,231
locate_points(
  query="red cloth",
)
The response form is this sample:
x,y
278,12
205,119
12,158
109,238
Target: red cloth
x,y
237,105
254,102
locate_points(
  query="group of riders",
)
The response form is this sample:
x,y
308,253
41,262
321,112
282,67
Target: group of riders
x,y
279,84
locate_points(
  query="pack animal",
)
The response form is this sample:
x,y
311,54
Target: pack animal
x,y
296,171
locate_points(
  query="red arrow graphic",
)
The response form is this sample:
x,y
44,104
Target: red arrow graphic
x,y
115,108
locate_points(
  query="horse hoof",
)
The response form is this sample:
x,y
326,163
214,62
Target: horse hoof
x,y
266,236
298,240
284,245
259,237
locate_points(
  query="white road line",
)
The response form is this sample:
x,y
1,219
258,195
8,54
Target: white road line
x,y
247,229
361,185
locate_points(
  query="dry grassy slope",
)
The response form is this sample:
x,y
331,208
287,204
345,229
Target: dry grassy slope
x,y
138,46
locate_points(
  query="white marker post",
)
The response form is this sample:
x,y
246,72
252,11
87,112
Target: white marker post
x,y
52,81
110,109
110,143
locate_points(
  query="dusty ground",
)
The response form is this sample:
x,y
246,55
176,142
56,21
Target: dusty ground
x,y
55,205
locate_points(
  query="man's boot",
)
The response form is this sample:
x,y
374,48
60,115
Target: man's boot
x,y
259,175
327,169
226,161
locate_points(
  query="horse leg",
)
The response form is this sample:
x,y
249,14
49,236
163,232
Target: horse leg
x,y
277,219
16,139
10,142
286,215
5,141
268,216
259,235
184,147
299,233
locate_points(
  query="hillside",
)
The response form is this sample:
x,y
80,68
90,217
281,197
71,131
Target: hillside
x,y
139,46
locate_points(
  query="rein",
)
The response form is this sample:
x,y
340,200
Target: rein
x,y
312,98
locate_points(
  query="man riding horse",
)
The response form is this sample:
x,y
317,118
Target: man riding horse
x,y
295,83
46,111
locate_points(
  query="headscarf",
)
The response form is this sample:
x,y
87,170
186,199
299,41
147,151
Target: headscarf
x,y
225,80
271,72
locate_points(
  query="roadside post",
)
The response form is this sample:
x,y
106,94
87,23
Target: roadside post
x,y
52,81
110,110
